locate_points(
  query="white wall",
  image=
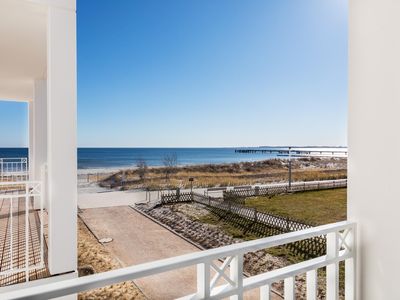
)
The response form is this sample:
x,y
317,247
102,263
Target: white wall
x,y
374,143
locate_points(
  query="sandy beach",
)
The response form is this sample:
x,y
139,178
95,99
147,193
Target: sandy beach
x,y
229,174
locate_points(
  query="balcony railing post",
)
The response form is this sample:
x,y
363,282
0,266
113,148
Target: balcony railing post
x,y
350,266
1,171
265,292
289,288
43,190
236,274
312,284
27,231
42,201
11,235
332,270
25,171
203,280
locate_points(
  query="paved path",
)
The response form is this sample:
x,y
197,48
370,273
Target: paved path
x,y
137,239
109,199
104,198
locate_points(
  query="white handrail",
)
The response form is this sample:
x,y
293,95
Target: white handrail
x,y
341,247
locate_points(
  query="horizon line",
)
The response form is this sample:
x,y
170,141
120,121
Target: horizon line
x,y
188,147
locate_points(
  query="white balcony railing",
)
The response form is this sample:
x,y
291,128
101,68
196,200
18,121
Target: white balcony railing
x,y
14,169
210,272
22,241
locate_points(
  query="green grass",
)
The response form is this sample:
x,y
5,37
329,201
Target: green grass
x,y
238,233
317,207
227,227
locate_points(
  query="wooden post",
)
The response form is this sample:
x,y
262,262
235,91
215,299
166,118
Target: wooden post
x,y
290,167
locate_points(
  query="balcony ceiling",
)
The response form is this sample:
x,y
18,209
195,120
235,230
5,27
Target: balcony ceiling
x,y
22,48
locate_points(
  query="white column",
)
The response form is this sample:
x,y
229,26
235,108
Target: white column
x,y
31,112
374,144
61,135
39,106
38,132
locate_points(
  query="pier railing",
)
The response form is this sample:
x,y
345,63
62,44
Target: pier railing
x,y
216,280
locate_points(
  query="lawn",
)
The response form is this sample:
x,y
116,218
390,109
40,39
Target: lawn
x,y
317,207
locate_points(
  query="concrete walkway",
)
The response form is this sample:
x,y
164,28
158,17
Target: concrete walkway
x,y
107,198
110,199
137,239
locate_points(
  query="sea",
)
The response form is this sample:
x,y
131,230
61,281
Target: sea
x,y
114,158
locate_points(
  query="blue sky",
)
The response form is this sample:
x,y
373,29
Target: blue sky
x,y
203,73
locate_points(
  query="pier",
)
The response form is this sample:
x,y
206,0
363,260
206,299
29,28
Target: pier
x,y
296,152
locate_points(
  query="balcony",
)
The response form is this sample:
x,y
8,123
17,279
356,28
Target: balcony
x,y
38,66
220,270
13,169
23,249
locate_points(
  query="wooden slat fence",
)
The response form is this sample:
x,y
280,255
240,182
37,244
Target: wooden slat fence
x,y
283,189
263,224
176,197
231,208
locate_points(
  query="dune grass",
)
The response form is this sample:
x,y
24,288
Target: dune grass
x,y
245,173
95,257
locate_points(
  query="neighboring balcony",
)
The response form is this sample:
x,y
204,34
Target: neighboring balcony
x,y
13,169
23,248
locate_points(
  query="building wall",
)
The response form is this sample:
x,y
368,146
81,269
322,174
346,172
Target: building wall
x,y
374,143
